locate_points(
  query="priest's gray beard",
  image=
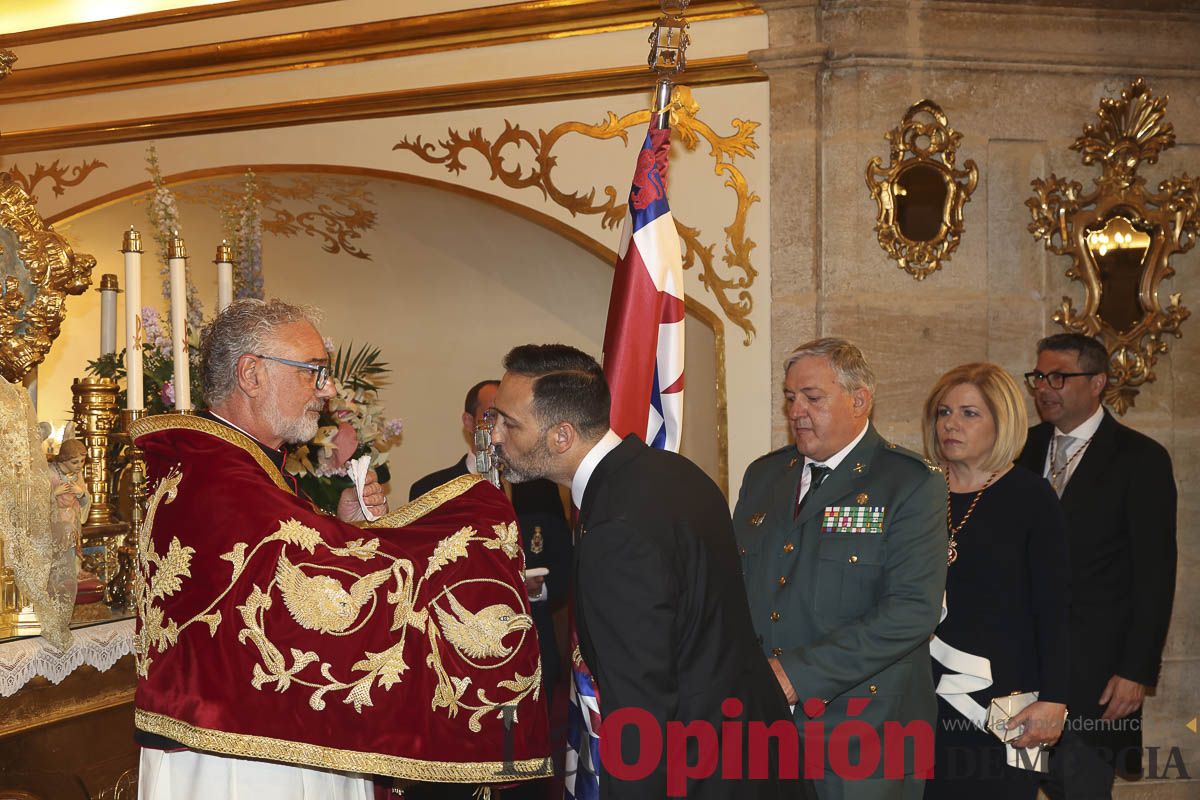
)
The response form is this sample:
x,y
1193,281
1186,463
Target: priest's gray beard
x,y
296,429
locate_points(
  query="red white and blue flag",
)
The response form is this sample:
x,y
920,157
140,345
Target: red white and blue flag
x,y
643,361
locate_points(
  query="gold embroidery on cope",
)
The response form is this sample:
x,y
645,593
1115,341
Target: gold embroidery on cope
x,y
318,598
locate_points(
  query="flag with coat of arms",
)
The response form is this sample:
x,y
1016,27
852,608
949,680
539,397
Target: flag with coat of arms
x,y
643,361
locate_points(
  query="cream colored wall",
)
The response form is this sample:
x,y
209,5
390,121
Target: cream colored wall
x,y
698,195
842,74
452,284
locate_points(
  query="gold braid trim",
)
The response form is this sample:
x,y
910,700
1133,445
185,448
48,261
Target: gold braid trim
x,y
190,422
424,504
244,745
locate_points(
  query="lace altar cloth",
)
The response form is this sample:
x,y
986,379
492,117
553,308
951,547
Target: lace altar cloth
x,y
99,646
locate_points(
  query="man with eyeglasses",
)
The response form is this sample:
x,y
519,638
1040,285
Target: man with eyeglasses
x,y
287,654
1118,494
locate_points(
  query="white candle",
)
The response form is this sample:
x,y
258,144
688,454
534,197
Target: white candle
x,y
177,265
224,262
108,314
132,248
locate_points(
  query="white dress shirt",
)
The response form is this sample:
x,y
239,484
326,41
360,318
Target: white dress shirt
x,y
831,462
1083,434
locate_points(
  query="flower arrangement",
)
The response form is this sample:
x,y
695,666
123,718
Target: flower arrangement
x,y
163,214
352,425
243,227
158,367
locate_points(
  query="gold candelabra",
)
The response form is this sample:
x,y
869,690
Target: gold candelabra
x,y
94,408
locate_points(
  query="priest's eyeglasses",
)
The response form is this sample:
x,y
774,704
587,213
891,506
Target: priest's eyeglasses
x,y
1055,380
322,370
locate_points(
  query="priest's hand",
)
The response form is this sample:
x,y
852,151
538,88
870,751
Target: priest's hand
x,y
373,496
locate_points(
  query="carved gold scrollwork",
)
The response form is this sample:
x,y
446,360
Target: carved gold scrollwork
x,y
731,290
921,193
39,269
1120,237
7,57
334,211
62,176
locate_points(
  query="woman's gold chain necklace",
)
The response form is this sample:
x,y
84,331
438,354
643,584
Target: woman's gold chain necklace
x,y
952,545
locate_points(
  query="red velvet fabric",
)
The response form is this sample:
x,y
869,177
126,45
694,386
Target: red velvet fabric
x,y
200,690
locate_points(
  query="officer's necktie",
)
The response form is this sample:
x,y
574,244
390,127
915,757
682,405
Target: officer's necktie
x,y
819,473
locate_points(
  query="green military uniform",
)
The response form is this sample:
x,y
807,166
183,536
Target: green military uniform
x,y
847,595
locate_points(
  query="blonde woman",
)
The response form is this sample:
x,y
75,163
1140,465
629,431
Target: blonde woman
x,y
1005,628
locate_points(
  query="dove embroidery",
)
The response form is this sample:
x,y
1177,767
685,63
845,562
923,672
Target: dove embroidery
x,y
480,634
320,602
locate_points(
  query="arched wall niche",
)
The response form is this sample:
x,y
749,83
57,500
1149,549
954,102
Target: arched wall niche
x,y
443,277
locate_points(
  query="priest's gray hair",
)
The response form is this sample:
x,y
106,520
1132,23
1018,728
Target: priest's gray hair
x,y
845,359
245,326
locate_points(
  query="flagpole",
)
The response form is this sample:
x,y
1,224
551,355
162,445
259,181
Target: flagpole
x,y
643,353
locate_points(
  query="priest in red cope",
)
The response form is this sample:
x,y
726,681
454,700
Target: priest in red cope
x,y
286,653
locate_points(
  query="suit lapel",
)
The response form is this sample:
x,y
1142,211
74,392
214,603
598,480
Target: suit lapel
x,y
1033,457
621,455
1098,455
843,479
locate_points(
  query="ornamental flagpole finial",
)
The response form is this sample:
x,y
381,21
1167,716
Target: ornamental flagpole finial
x,y
668,44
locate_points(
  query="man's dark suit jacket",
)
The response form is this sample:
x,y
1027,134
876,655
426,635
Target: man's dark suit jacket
x,y
538,507
662,616
1120,509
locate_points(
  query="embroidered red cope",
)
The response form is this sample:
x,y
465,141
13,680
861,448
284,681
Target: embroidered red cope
x,y
267,629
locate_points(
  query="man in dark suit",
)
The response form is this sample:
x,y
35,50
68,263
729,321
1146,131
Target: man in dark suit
x,y
660,612
546,538
1119,498
843,546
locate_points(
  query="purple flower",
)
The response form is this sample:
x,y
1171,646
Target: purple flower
x,y
168,393
153,331
393,427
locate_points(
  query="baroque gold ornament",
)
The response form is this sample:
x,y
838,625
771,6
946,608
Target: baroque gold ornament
x,y
61,176
1120,237
38,270
731,286
921,193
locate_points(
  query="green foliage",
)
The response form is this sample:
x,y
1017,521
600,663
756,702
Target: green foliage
x,y
358,370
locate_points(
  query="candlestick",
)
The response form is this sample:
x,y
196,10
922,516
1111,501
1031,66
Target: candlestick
x,y
108,313
134,392
224,262
177,265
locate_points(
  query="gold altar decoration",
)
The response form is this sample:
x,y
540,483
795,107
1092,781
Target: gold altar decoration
x,y
61,176
39,269
920,193
1120,237
7,57
94,409
732,291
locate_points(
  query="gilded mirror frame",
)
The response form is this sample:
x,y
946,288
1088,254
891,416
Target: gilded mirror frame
x,y
1131,130
923,139
38,269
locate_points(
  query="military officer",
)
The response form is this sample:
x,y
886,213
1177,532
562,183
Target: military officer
x,y
843,546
